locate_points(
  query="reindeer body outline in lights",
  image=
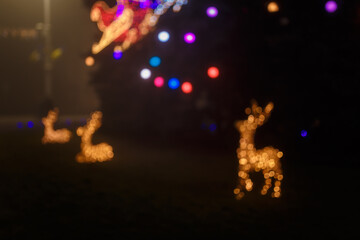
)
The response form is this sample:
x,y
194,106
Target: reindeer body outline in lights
x,y
128,21
50,134
92,153
251,159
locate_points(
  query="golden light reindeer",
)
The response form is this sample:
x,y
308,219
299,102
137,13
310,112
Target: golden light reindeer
x,y
266,160
51,135
89,152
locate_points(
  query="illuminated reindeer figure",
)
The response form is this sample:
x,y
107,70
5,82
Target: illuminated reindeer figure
x,y
89,152
51,135
250,159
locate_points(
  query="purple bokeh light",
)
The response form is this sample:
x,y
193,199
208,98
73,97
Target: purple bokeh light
x,y
304,133
212,12
331,6
189,38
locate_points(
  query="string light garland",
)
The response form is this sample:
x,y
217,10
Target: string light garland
x,y
128,21
266,160
51,135
92,153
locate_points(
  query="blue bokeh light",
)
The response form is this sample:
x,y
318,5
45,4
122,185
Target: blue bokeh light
x,y
19,125
174,83
213,127
155,61
304,133
117,55
30,124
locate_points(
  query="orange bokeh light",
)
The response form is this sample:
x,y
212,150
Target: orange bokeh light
x,y
89,61
186,87
213,72
273,7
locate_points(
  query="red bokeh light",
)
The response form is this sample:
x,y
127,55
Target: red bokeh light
x,y
159,82
213,72
186,87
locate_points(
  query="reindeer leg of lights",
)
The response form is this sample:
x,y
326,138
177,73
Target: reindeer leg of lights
x,y
51,135
250,159
92,153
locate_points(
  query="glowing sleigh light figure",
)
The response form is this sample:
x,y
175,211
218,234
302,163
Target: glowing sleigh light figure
x,y
50,134
92,153
128,21
266,160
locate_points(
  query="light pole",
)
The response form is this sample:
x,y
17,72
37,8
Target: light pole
x,y
47,52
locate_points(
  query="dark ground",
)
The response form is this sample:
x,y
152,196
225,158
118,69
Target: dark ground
x,y
156,190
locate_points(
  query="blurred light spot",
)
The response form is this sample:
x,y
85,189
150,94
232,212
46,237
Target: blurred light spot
x,y
163,36
117,54
186,87
189,38
89,61
212,127
159,82
212,12
174,83
272,7
284,21
304,133
177,8
56,53
213,72
19,125
155,61
331,6
145,73
30,124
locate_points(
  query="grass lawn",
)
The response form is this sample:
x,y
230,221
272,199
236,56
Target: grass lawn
x,y
152,190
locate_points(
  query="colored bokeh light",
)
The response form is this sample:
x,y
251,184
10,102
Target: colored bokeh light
x,y
155,61
189,38
117,54
145,73
174,83
272,7
304,133
212,12
159,82
30,124
163,36
186,87
331,6
19,125
89,61
213,72
212,127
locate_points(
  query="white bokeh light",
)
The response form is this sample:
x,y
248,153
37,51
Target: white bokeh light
x,y
163,36
145,73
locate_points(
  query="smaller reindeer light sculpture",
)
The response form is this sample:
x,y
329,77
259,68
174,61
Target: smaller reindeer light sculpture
x,y
89,152
51,135
250,159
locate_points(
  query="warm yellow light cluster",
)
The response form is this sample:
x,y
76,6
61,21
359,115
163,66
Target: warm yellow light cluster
x,y
89,152
124,23
266,160
51,135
